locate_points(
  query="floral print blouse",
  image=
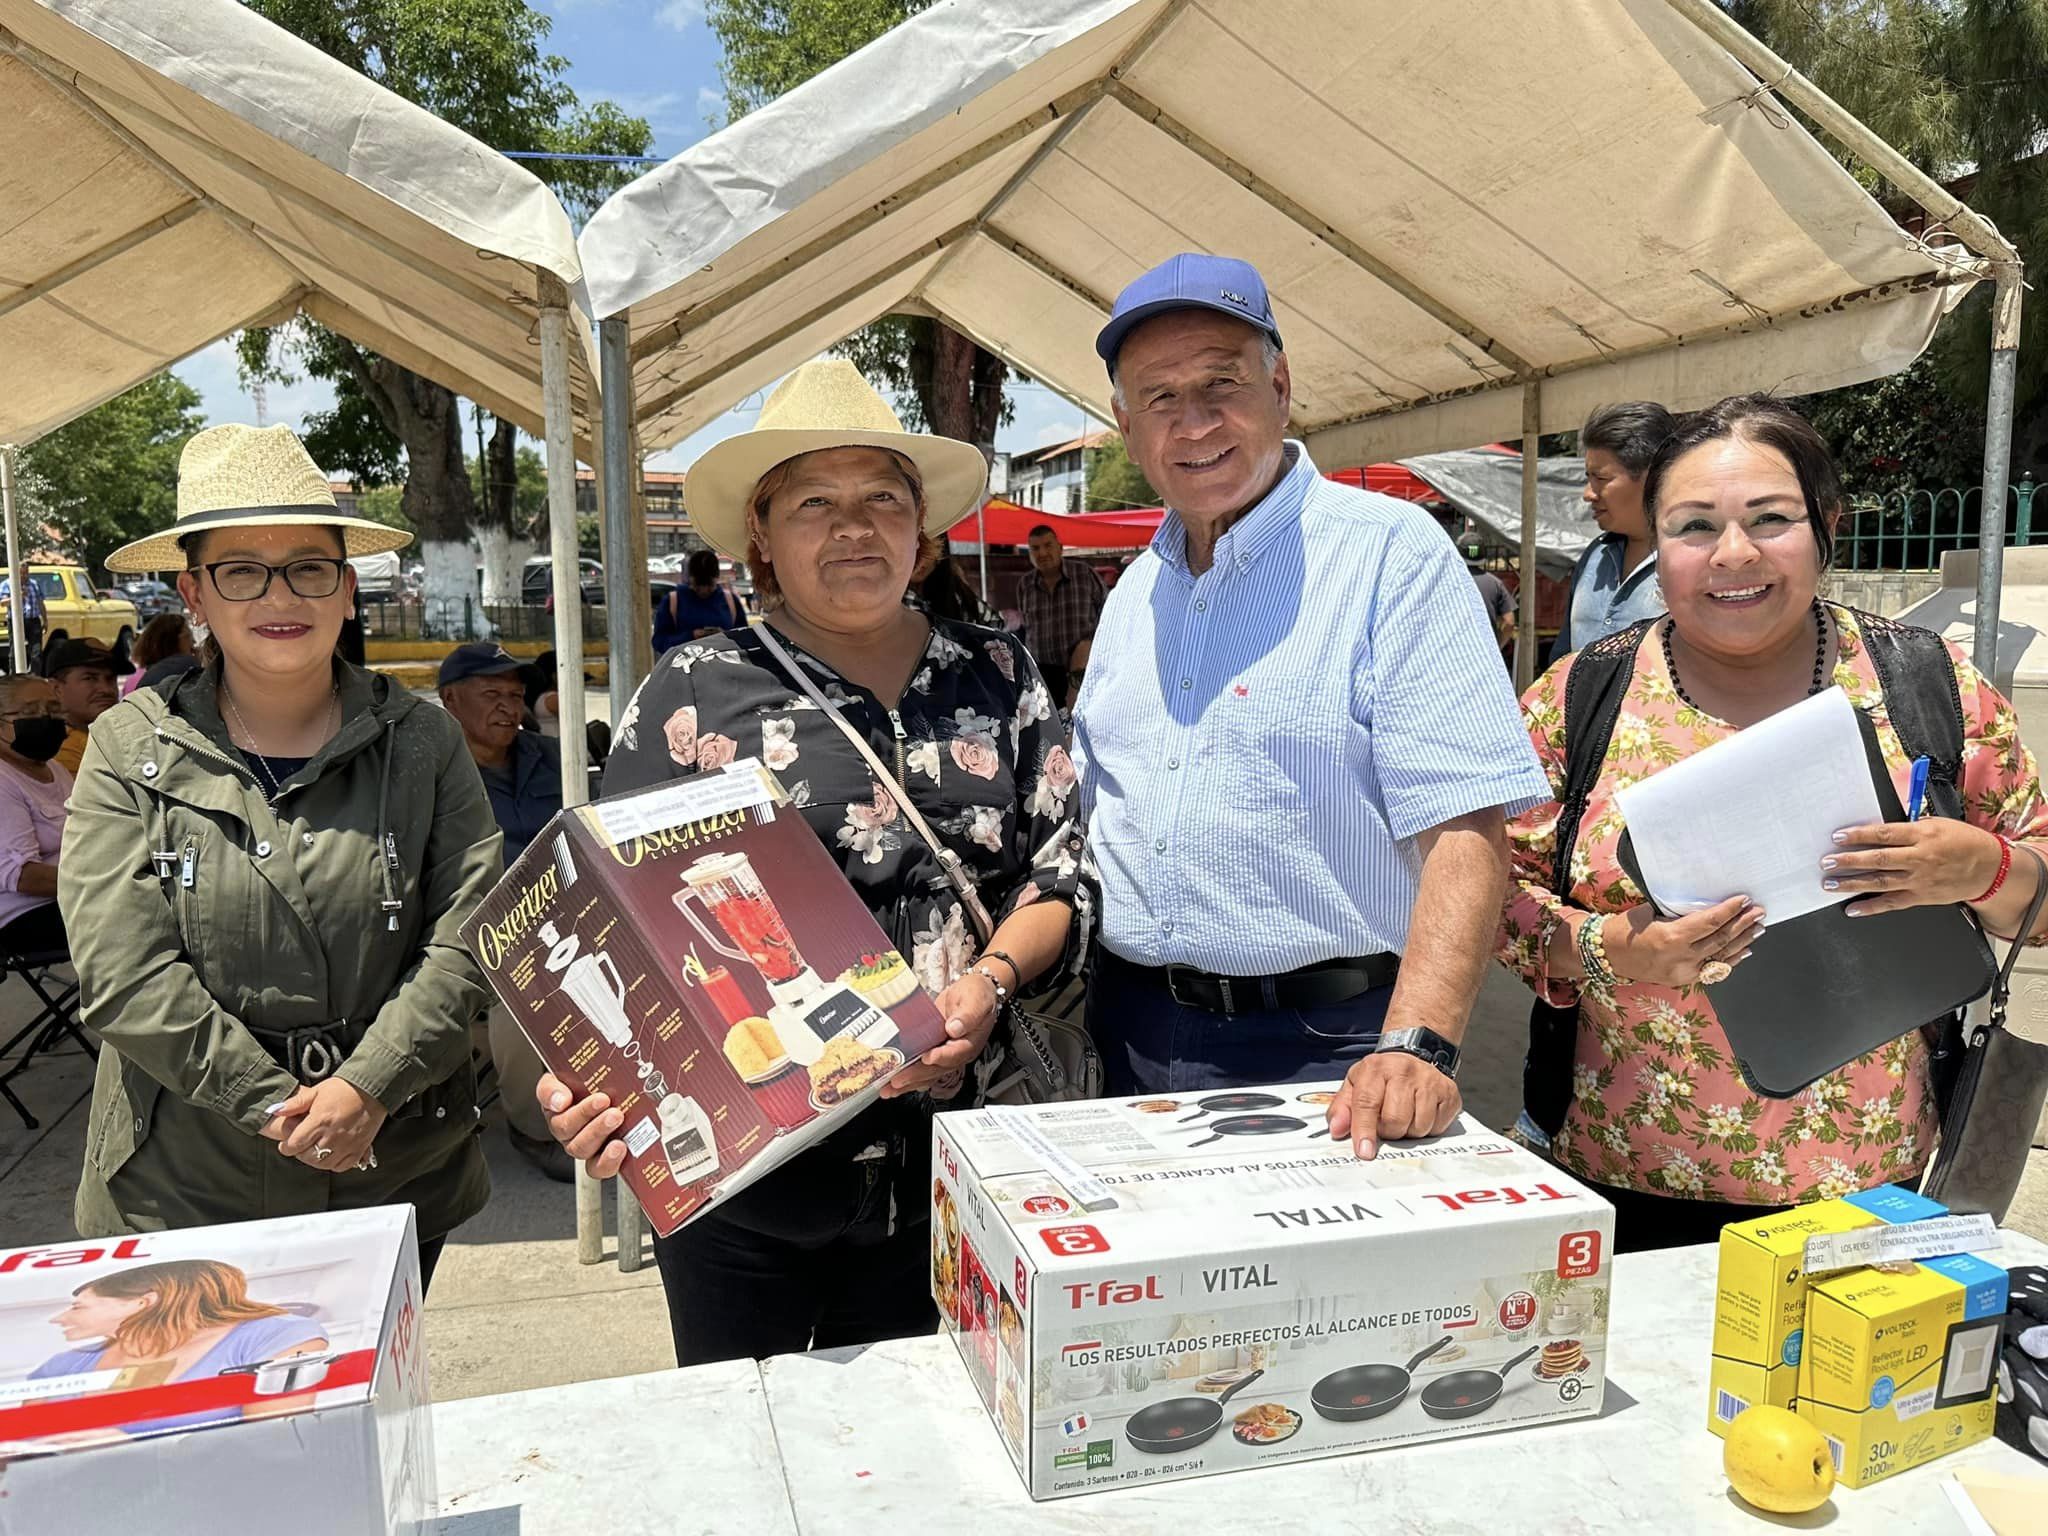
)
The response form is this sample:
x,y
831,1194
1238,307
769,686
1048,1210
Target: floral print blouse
x,y
1657,1104
974,739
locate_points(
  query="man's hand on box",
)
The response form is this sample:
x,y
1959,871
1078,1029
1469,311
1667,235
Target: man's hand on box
x,y
969,1007
587,1127
1389,1096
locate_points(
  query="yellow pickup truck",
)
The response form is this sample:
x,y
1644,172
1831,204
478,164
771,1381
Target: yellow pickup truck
x,y
73,606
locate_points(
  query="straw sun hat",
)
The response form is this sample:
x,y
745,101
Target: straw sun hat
x,y
825,404
250,477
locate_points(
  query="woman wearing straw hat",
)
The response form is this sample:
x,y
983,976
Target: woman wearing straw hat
x,y
837,511
265,866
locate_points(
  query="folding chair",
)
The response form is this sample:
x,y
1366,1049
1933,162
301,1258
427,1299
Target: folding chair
x,y
49,1029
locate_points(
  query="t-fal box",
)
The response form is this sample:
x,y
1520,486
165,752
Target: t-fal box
x,y
693,952
1158,1288
1760,1295
1901,1363
263,1375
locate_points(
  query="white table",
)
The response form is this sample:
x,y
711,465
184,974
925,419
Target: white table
x,y
893,1439
678,1452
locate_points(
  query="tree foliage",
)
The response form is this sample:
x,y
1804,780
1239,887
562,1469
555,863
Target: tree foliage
x,y
112,474
1958,87
1115,484
483,66
943,381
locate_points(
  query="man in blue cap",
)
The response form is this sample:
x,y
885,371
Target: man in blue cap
x,y
1297,746
484,687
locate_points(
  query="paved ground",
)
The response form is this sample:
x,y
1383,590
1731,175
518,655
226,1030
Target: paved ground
x,y
511,1307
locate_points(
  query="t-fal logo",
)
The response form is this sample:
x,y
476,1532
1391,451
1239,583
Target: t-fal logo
x,y
1464,1199
66,1258
946,1162
1114,1293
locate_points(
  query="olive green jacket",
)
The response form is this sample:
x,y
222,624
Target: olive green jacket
x,y
204,920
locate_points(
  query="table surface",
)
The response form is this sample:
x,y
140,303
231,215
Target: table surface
x,y
894,1437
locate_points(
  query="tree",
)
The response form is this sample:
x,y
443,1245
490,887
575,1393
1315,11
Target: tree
x,y
945,383
1115,484
112,474
480,65
1957,86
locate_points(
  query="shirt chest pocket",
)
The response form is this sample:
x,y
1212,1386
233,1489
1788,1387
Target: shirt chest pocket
x,y
1286,740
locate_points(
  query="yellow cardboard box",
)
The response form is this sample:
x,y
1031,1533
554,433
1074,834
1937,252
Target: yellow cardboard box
x,y
1760,1299
1901,1364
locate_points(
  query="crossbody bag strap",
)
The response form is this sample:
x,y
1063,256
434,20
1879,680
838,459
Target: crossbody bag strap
x,y
949,861
1593,694
2001,990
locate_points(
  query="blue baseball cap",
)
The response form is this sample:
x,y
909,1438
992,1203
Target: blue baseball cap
x,y
1189,281
480,658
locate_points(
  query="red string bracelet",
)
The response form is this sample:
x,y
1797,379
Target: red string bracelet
x,y
2004,868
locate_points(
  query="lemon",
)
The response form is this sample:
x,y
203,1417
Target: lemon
x,y
1778,1461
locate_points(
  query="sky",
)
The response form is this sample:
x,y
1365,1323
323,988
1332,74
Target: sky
x,y
658,60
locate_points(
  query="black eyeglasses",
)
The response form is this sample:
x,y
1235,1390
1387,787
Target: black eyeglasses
x,y
243,581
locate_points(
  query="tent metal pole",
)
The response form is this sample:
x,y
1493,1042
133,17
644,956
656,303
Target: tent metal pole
x,y
627,624
1525,624
980,544
2005,346
17,635
568,589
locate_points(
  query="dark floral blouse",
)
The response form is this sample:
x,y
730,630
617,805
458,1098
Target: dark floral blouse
x,y
974,739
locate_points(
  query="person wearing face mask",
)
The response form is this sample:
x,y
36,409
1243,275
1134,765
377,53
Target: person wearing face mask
x,y
267,865
33,792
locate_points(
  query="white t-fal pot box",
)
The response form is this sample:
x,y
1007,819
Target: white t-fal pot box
x,y
270,1375
1165,1287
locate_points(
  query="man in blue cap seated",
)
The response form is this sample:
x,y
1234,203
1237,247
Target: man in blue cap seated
x,y
484,687
1297,746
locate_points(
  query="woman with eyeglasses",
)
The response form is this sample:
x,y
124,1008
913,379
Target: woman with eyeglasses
x,y
267,863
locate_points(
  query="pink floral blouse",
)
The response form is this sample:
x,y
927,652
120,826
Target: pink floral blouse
x,y
1657,1104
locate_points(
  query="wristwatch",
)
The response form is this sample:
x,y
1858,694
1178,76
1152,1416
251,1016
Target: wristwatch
x,y
1425,1043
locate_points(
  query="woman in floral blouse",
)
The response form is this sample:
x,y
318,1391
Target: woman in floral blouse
x,y
1742,502
837,511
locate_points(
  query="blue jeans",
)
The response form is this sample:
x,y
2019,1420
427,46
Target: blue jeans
x,y
1151,1044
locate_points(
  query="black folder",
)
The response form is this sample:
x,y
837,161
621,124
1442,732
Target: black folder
x,y
1821,990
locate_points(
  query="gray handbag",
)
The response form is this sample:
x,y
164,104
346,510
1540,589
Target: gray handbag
x,y
1041,1058
1996,1103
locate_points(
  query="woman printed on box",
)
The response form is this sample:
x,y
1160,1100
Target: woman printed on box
x,y
266,865
189,1320
837,510
1743,501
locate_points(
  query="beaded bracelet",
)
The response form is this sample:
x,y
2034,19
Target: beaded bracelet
x,y
1593,952
1002,992
1016,971
2004,868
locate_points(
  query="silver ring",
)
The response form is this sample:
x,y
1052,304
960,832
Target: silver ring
x,y
369,1162
321,1154
1714,972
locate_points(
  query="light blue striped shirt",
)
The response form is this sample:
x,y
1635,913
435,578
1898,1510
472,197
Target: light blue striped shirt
x,y
1259,746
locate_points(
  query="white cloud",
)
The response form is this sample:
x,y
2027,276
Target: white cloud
x,y
664,110
679,14
710,107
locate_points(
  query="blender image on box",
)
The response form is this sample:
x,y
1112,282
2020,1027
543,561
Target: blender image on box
x,y
807,1011
592,982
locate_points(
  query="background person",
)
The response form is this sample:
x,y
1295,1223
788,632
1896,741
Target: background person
x,y
83,670
837,510
483,687
194,1316
1744,499
1061,601
945,594
32,612
1296,745
1615,581
698,606
163,638
33,792
267,865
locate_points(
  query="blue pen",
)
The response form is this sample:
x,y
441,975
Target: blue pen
x,y
1916,793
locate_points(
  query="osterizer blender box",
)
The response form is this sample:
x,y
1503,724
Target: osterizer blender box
x,y
1149,1289
692,952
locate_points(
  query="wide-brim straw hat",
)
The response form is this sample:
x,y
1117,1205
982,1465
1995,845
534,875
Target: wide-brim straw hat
x,y
250,477
824,404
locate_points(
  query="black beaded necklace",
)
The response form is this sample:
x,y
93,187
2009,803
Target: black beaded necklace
x,y
1820,656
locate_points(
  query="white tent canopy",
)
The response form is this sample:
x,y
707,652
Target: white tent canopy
x,y
175,171
1440,220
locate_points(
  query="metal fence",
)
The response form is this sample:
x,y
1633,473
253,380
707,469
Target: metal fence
x,y
1912,530
470,619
